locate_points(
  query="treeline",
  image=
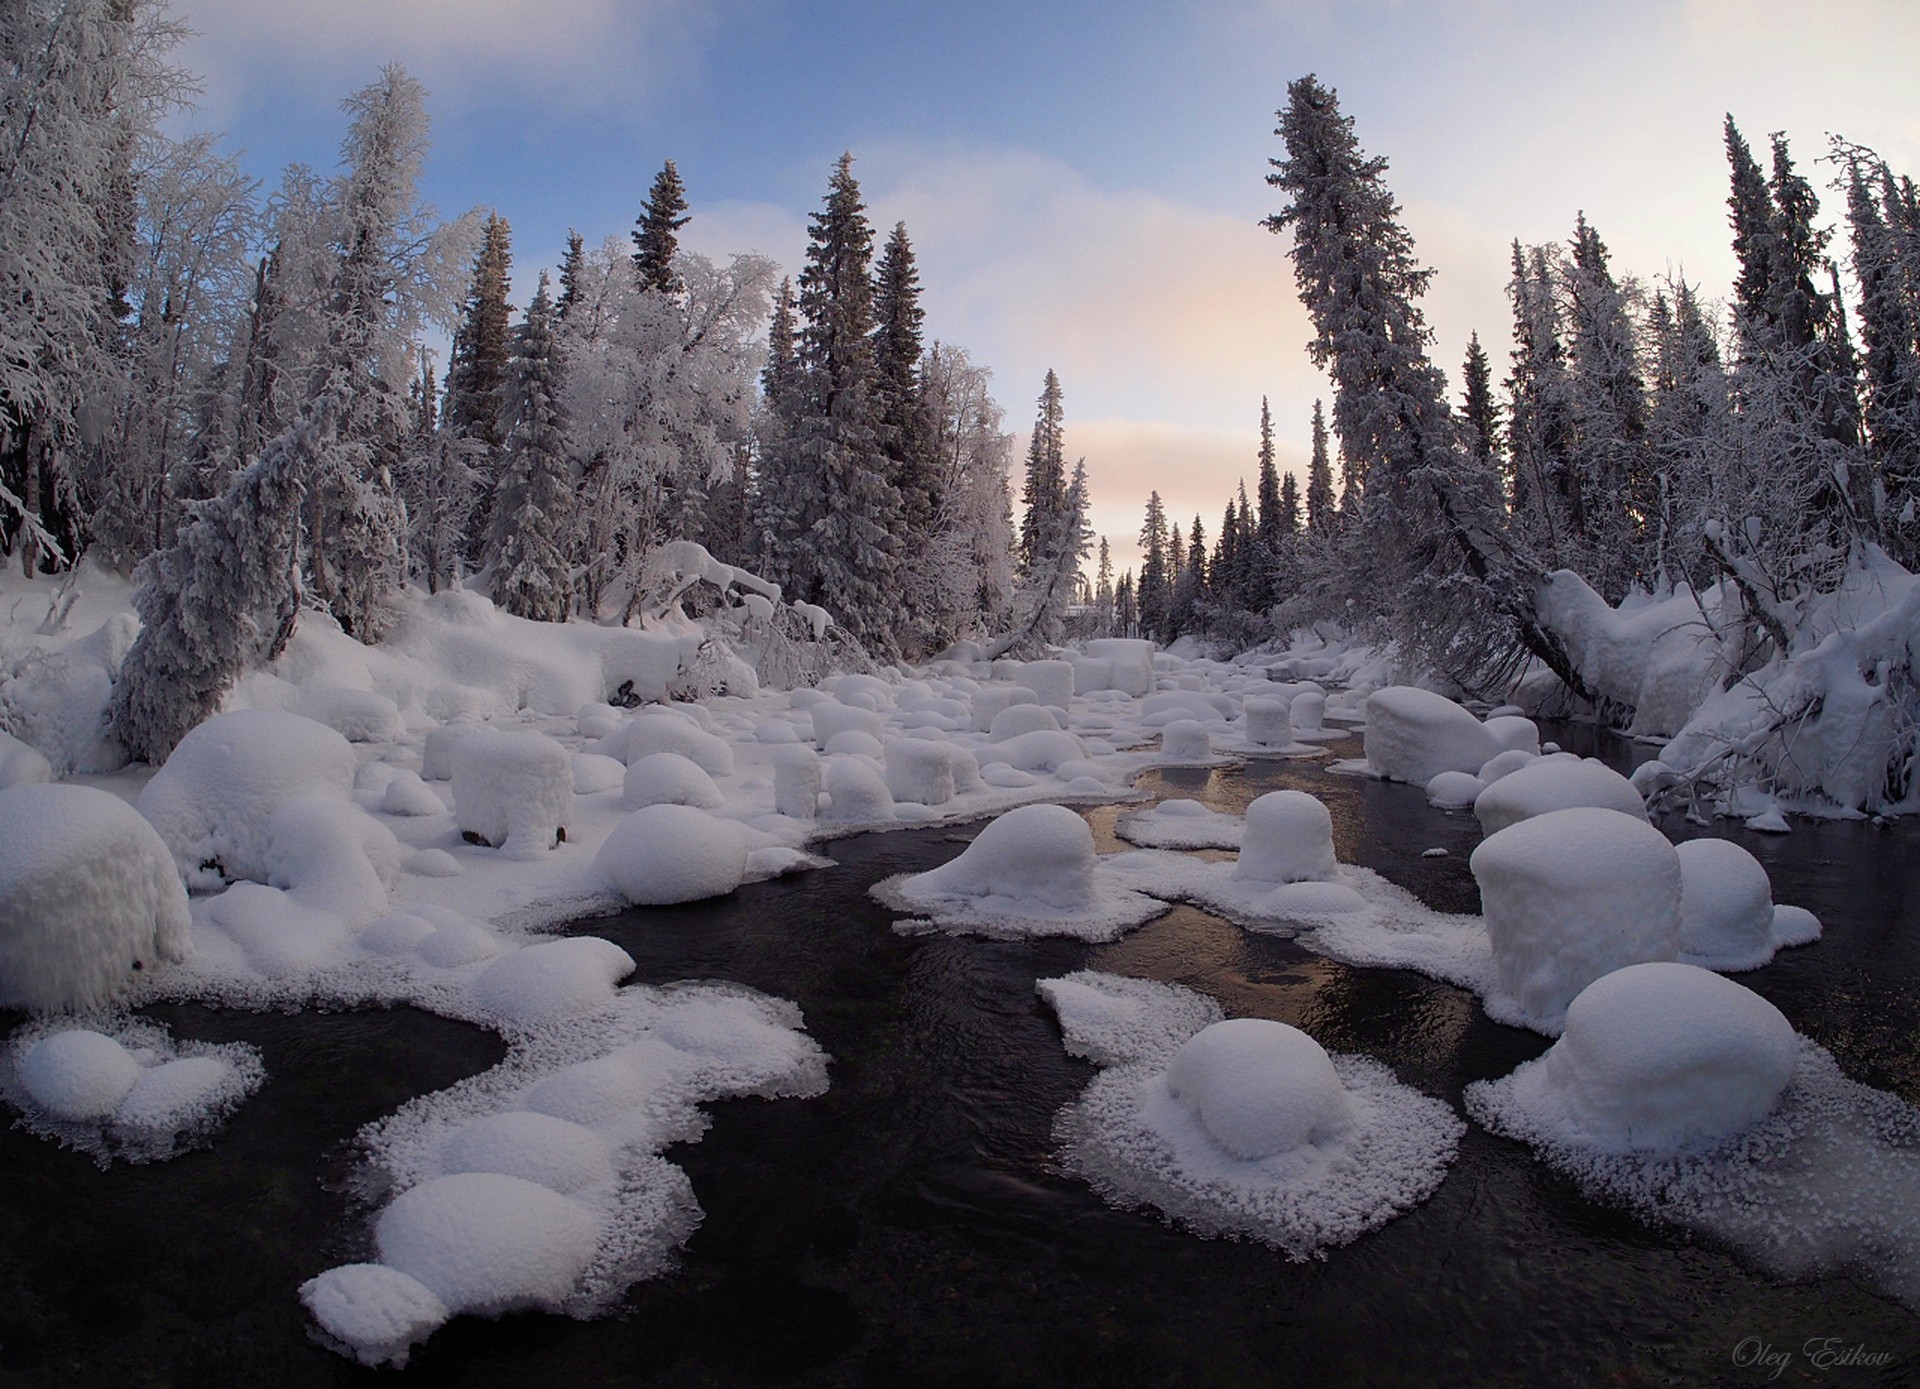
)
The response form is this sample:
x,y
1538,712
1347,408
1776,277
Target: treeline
x,y
229,394
1641,438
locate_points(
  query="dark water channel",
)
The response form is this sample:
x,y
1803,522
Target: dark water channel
x,y
909,1227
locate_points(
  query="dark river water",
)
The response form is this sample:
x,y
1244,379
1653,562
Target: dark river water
x,y
910,1226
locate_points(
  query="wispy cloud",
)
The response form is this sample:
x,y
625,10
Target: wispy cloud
x,y
578,54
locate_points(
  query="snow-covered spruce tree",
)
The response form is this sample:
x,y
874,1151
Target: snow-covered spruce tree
x,y
221,598
82,84
1126,608
438,481
1543,486
1886,264
1424,553
1479,411
779,498
1321,508
1609,410
845,560
1689,432
355,523
1051,582
656,233
902,422
477,373
1807,480
526,550
1103,591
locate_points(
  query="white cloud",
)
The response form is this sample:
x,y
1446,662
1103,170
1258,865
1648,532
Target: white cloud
x,y
576,53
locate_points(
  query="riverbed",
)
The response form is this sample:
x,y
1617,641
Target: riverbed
x,y
911,1225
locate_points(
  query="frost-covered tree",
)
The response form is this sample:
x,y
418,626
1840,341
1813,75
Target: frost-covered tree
x,y
437,482
1543,486
1277,521
1608,399
1479,411
1051,580
1885,233
656,234
527,546
961,582
82,85
658,391
1689,431
217,601
1424,553
355,523
192,280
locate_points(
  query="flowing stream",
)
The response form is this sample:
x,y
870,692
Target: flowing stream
x,y
910,1227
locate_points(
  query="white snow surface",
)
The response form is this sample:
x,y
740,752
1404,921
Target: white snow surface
x,y
1288,839
1180,824
667,853
514,791
1348,1146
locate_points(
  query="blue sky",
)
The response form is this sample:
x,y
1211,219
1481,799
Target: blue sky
x,y
1083,182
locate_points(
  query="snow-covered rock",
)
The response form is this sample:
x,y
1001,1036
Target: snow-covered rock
x,y
214,798
21,765
1658,1057
374,1313
1728,919
1186,740
1569,896
88,895
1016,719
359,716
487,1243
1259,1087
78,1074
796,781
513,791
920,772
667,853
1414,735
856,791
1288,839
1554,783
667,778
1269,722
554,979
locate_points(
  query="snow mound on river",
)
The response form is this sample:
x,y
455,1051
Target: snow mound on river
x,y
1247,1127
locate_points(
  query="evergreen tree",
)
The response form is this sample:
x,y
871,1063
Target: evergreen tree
x,y
438,482
1103,590
526,549
80,86
1126,608
1419,554
1609,419
1289,512
656,233
1043,496
1886,266
1274,524
1543,486
1688,429
1320,504
1479,411
477,371
846,558
572,266
1156,584
897,349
